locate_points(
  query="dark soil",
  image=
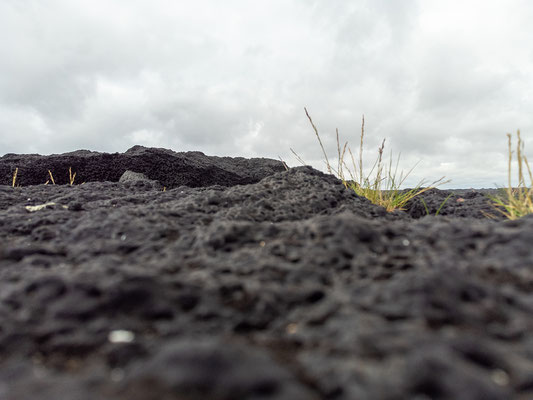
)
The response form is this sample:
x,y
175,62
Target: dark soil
x,y
228,278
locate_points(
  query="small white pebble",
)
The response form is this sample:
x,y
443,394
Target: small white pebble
x,y
123,237
500,377
117,374
121,336
406,242
292,328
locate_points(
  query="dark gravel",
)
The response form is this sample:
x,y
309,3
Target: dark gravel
x,y
227,279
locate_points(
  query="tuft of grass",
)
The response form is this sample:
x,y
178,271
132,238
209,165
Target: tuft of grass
x,y
516,202
384,188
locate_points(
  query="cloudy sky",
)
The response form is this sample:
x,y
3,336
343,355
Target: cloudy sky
x,y
442,82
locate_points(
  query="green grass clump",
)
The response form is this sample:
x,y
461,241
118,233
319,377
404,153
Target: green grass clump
x,y
384,188
516,202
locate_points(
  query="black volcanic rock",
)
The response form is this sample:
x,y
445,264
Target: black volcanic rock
x,y
269,284
171,169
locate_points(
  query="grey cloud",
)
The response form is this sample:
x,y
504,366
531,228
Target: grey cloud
x,y
233,78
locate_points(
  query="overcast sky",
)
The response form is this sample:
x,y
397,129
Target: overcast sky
x,y
441,81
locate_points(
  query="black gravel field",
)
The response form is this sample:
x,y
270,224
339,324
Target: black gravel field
x,y
178,276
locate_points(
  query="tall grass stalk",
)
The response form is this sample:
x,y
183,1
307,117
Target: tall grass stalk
x,y
516,202
384,187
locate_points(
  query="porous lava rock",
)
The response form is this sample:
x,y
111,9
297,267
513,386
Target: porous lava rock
x,y
171,169
267,284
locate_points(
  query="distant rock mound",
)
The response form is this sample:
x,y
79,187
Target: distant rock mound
x,y
171,169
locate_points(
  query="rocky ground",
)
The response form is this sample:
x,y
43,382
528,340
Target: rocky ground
x,y
227,279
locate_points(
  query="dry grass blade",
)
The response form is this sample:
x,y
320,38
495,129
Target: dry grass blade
x,y
51,177
318,137
14,177
284,163
71,177
361,147
298,157
340,155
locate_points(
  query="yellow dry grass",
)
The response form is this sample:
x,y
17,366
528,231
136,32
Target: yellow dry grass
x,y
14,180
516,202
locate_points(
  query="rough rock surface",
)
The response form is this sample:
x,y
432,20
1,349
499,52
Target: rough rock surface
x,y
171,169
271,284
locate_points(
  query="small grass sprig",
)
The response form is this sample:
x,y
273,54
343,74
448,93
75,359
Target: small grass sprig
x,y
516,202
14,177
51,177
440,207
70,176
384,188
